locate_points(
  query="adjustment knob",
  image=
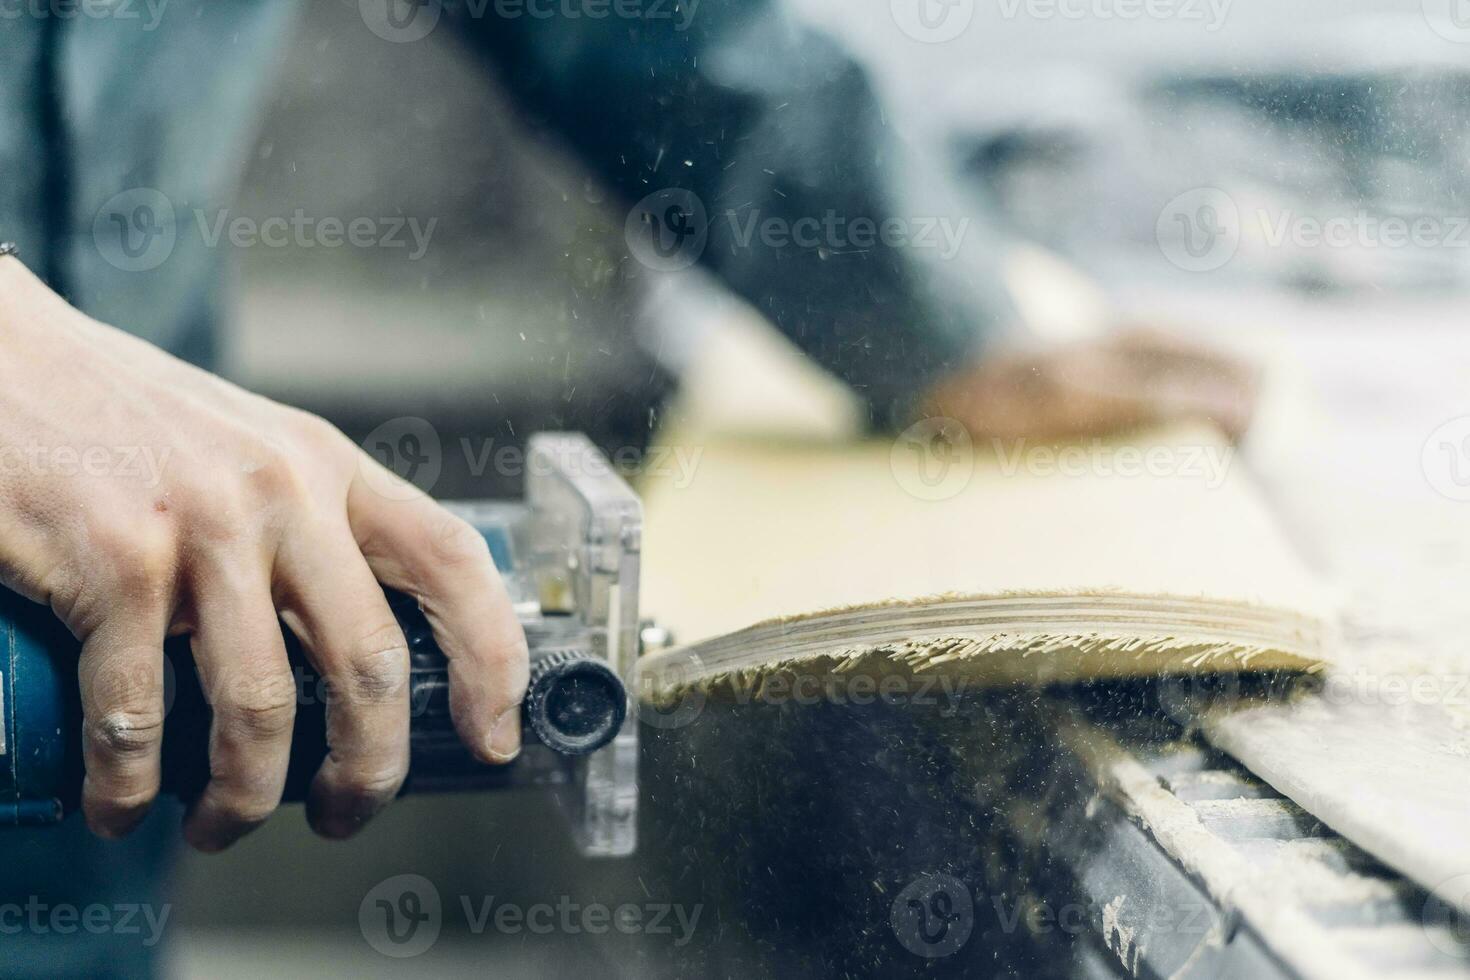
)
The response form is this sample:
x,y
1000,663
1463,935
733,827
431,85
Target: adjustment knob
x,y
574,703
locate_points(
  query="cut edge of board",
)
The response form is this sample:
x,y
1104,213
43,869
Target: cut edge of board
x,y
1005,639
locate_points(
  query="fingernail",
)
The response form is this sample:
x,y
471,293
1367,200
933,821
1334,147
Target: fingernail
x,y
505,735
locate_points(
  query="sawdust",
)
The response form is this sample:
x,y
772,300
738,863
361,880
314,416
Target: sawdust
x,y
1237,886
1121,939
993,659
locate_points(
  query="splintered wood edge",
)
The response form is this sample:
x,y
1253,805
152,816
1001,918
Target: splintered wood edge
x,y
997,640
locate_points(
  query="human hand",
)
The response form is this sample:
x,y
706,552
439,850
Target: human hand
x,y
145,498
1131,378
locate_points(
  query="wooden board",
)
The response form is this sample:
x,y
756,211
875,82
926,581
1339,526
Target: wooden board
x,y
1009,562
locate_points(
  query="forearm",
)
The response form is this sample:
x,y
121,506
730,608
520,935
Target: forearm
x,y
826,223
809,204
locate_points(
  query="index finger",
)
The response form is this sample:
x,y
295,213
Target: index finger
x,y
416,546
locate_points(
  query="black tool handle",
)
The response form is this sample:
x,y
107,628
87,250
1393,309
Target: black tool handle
x,y
574,705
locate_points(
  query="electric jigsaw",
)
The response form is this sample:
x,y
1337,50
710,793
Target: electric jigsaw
x,y
569,555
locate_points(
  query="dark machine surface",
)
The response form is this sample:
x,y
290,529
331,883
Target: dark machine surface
x,y
1015,834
